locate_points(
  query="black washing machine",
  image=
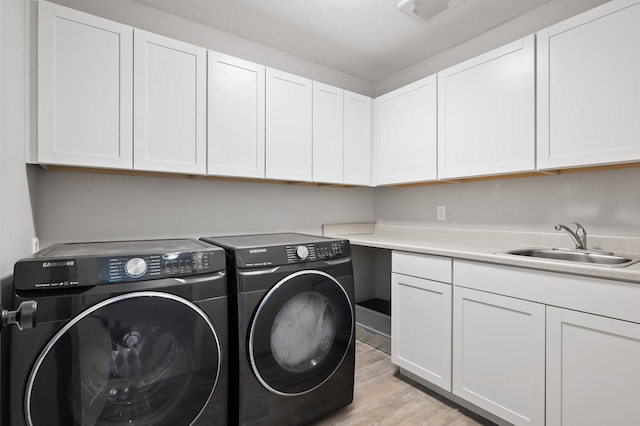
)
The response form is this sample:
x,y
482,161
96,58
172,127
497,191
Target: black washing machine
x,y
293,328
127,333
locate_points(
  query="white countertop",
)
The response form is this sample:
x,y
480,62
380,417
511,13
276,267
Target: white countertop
x,y
481,245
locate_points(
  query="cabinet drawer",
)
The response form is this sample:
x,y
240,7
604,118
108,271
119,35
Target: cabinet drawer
x,y
434,268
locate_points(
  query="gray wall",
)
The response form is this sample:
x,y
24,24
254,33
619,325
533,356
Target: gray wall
x,y
605,202
85,207
16,218
16,181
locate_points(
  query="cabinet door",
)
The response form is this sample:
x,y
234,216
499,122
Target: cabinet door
x,y
288,134
499,355
405,134
588,88
486,113
85,77
421,328
328,133
357,139
169,105
236,117
592,369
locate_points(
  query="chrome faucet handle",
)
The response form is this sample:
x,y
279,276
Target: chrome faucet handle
x,y
579,228
579,237
582,234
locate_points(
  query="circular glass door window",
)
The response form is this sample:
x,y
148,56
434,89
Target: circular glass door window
x,y
303,331
145,358
300,332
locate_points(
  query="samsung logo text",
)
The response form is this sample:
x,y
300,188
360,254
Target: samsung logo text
x,y
58,263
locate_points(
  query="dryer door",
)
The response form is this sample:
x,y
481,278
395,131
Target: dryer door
x,y
145,358
301,332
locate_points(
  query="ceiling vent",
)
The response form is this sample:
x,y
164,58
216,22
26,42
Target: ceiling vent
x,y
427,10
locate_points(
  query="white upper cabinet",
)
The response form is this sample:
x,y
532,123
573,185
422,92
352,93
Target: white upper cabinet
x,y
289,130
486,113
328,134
169,105
357,139
236,132
405,134
588,88
85,76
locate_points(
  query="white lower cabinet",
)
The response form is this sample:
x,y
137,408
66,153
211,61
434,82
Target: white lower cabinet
x,y
513,342
499,355
421,316
421,328
593,369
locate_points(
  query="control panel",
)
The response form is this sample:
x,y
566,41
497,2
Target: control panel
x,y
314,251
53,273
152,266
291,254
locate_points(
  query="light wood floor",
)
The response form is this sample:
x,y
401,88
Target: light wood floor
x,y
383,397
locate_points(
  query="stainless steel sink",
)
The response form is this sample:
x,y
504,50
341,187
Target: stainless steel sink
x,y
579,256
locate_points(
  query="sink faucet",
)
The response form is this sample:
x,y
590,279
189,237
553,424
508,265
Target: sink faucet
x,y
579,237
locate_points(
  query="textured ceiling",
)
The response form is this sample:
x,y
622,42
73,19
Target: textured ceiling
x,y
370,39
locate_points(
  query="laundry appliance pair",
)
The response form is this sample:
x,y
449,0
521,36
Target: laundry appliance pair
x,y
183,332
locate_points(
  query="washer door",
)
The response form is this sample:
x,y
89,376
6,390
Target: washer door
x,y
144,358
300,333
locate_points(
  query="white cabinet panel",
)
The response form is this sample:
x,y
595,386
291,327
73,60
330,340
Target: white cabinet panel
x,y
421,316
357,139
289,126
486,113
169,105
421,328
328,133
499,355
405,134
592,369
85,77
588,88
236,117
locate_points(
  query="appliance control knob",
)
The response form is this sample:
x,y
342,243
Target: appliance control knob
x,y
302,252
136,267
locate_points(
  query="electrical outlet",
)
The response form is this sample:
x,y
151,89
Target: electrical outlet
x,y
35,244
441,212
